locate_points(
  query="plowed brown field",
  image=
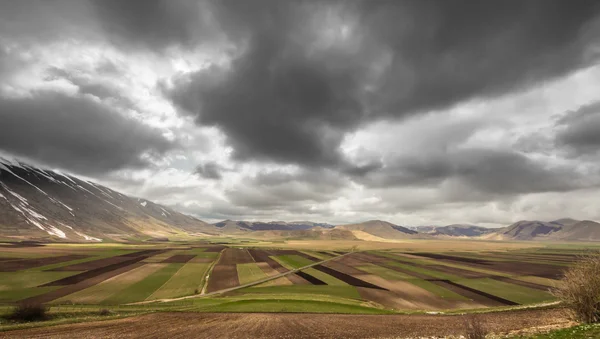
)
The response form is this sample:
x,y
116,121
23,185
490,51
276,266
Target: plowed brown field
x,y
264,325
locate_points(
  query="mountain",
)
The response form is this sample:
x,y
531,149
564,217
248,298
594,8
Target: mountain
x,y
527,230
456,230
585,230
378,230
42,204
558,230
230,226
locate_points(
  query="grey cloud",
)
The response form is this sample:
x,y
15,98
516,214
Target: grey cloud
x,y
88,85
154,24
210,170
290,99
75,133
478,172
282,190
580,130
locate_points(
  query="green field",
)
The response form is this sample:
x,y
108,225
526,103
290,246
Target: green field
x,y
154,278
248,273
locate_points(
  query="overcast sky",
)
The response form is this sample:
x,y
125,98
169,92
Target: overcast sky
x,y
416,112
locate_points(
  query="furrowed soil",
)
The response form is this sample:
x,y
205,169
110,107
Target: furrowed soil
x,y
222,277
265,325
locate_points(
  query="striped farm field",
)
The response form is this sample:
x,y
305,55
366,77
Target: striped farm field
x,y
186,281
227,277
143,289
249,272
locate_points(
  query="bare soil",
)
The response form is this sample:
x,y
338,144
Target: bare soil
x,y
233,256
311,279
267,325
222,277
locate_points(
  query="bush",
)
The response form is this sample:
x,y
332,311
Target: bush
x,y
29,312
475,327
104,312
579,289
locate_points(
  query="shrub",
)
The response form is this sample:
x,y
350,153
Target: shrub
x,y
29,312
104,312
579,289
475,327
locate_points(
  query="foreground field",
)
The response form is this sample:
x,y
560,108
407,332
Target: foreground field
x,y
260,325
234,276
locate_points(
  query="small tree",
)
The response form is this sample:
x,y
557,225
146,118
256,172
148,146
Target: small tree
x,y
579,289
474,327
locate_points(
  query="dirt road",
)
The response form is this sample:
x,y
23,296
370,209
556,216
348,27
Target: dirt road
x,y
265,325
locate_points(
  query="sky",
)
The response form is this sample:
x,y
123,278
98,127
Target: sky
x,y
418,112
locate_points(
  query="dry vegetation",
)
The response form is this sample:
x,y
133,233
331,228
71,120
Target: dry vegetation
x,y
579,290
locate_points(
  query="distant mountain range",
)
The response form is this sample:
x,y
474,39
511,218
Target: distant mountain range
x,y
41,204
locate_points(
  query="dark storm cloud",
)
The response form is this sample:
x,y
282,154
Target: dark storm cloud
x,y
75,133
210,170
153,23
290,97
580,130
483,171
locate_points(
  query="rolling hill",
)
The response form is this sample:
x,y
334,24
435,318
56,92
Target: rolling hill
x,y
379,230
558,230
41,204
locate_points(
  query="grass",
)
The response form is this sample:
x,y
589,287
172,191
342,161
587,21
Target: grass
x,y
428,272
340,291
437,290
292,261
577,332
515,293
185,282
326,278
98,293
318,255
283,306
383,272
248,273
143,289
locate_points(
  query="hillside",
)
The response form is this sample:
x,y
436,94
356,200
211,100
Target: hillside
x,y
456,230
378,230
42,204
234,227
558,230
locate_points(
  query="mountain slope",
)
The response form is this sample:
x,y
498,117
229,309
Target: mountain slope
x,y
379,229
37,203
585,230
456,230
558,230
233,227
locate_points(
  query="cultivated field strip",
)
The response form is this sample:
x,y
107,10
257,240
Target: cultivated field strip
x,y
23,264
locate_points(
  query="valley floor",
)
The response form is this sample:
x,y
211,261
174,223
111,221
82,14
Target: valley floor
x,y
282,325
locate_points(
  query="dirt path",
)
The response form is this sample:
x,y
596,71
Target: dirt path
x,y
264,325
